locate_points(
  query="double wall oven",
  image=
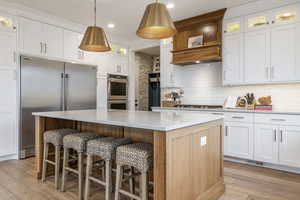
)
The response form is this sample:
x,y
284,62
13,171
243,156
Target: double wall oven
x,y
117,92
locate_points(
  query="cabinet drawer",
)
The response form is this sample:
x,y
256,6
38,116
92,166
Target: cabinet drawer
x,y
277,119
239,117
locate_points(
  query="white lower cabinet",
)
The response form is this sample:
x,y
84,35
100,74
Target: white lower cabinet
x,y
289,146
266,143
239,140
277,144
7,134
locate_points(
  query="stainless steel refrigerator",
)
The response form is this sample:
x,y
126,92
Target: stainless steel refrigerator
x,y
52,86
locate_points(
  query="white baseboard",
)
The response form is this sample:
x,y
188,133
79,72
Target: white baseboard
x,y
9,157
263,164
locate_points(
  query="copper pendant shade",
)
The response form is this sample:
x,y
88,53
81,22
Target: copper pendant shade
x,y
95,38
156,23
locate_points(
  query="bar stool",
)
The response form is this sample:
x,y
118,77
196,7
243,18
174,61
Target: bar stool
x,y
54,137
78,143
105,148
139,156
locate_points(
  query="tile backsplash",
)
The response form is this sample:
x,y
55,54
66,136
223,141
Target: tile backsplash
x,y
202,84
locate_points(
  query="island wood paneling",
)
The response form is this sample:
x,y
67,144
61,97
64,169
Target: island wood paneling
x,y
195,171
183,169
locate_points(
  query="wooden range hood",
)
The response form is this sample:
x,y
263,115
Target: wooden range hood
x,y
210,27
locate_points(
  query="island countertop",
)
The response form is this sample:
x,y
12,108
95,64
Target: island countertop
x,y
164,121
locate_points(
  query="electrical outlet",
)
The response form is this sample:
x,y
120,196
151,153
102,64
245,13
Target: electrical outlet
x,y
203,140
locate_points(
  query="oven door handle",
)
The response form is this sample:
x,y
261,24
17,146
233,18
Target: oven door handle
x,y
117,80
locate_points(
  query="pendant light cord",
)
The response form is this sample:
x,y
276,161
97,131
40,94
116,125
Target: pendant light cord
x,y
95,10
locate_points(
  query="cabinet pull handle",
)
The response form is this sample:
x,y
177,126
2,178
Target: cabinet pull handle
x,y
15,57
236,117
267,72
275,135
217,113
278,120
41,47
82,55
272,72
226,130
281,136
224,75
45,46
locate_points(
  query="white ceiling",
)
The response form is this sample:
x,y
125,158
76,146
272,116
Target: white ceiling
x,y
125,14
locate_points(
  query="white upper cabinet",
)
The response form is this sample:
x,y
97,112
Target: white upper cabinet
x,y
271,51
72,52
71,43
233,26
257,68
233,59
8,48
167,69
41,39
289,142
53,41
31,34
283,53
266,143
285,15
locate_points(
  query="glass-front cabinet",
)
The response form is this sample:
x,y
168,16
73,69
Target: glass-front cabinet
x,y
257,21
7,23
233,26
285,15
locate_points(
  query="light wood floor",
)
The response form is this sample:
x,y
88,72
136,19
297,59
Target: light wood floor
x,y
242,183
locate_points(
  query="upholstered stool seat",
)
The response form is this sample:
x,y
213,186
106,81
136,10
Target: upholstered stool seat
x,y
54,137
139,156
78,143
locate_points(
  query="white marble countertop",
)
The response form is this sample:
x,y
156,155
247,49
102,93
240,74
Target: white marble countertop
x,y
134,119
281,112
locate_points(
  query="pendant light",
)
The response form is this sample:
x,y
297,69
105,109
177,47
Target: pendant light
x,y
156,22
95,38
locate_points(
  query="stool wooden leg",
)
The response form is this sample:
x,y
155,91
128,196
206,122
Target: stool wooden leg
x,y
57,166
118,181
65,164
80,175
46,149
108,180
89,168
144,186
131,182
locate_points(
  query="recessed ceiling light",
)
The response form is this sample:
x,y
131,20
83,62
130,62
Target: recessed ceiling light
x,y
170,5
110,25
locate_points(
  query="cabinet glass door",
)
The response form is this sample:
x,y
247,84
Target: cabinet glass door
x,y
233,26
7,23
257,21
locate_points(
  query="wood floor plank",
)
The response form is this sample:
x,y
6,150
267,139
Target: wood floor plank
x,y
18,182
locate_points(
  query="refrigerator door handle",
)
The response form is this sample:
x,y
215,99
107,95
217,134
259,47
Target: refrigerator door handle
x,y
66,91
63,92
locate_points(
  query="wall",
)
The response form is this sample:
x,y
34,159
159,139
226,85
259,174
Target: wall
x,y
202,84
144,67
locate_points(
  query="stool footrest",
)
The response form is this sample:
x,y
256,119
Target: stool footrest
x,y
50,162
71,170
97,181
128,194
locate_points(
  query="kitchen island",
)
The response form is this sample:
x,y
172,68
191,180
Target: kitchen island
x,y
188,147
